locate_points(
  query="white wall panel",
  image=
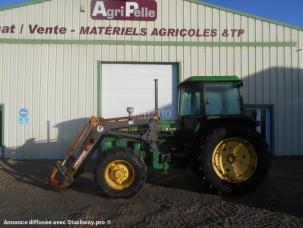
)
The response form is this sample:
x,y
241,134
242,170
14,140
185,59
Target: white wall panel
x,y
187,62
180,55
215,50
66,93
74,89
295,95
266,80
201,50
51,136
259,64
300,120
244,59
58,96
288,93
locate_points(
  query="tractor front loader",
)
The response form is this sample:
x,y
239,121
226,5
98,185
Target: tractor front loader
x,y
212,136
89,141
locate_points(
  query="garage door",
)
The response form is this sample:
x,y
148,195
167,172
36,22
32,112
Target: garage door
x,y
132,85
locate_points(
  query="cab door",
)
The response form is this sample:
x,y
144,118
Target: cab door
x,y
190,111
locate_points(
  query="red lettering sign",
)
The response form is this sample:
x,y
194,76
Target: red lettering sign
x,y
132,10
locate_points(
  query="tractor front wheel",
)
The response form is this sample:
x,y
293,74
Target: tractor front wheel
x,y
120,173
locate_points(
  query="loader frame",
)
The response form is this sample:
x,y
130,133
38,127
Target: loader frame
x,y
92,136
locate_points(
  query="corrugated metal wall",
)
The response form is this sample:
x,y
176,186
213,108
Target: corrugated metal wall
x,y
58,83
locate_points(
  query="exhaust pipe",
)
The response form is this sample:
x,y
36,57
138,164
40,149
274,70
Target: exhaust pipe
x,y
156,96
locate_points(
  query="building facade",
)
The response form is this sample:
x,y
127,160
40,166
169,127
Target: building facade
x,y
62,61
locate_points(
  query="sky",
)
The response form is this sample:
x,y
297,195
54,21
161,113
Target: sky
x,y
287,11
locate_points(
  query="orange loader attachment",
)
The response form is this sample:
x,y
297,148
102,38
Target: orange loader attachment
x,y
53,181
62,174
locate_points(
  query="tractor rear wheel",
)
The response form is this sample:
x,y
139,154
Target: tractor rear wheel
x,y
234,160
120,173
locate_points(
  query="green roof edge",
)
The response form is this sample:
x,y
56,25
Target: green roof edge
x,y
213,78
192,1
146,43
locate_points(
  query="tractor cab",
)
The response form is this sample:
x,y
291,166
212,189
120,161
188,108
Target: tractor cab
x,y
210,96
204,98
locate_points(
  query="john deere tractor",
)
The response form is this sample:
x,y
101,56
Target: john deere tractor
x,y
212,136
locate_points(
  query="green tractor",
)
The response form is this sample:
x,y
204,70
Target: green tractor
x,y
212,136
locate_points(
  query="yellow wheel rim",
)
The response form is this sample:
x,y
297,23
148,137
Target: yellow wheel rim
x,y
119,175
234,160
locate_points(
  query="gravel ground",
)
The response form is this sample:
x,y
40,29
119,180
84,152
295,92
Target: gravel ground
x,y
175,200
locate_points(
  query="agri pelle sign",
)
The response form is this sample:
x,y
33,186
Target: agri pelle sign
x,y
131,10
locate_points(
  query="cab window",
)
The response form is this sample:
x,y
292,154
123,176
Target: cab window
x,y
222,99
190,101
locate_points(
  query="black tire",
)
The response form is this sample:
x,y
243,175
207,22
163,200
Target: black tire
x,y
120,154
207,172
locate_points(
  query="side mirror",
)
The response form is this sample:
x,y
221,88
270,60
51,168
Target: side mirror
x,y
238,84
